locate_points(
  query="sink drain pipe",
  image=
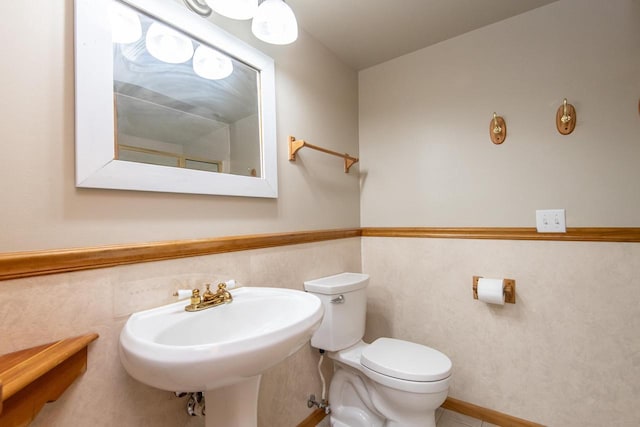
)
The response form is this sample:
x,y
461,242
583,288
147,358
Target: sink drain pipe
x,y
195,403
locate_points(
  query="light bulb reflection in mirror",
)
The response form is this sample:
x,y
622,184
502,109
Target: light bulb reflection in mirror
x,y
168,45
210,64
125,24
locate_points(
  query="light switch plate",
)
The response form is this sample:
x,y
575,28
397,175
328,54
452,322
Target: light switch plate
x,y
551,221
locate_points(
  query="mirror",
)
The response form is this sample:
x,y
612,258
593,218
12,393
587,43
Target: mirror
x,y
166,101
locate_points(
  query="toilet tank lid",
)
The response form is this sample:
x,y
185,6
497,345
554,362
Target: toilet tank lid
x,y
337,284
406,360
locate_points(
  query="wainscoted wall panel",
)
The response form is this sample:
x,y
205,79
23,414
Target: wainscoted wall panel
x,y
37,310
566,354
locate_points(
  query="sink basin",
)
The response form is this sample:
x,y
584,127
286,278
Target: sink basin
x,y
172,349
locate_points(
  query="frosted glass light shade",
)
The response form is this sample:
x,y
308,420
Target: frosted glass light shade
x,y
275,23
234,9
125,24
210,64
168,45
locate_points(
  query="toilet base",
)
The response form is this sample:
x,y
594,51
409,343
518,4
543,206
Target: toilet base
x,y
357,401
429,421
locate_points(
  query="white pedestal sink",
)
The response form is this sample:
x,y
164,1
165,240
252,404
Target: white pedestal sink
x,y
221,350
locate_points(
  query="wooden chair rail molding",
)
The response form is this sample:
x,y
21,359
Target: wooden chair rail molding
x,y
32,377
37,263
576,234
27,264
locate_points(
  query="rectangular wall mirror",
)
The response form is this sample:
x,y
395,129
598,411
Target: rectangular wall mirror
x,y
166,101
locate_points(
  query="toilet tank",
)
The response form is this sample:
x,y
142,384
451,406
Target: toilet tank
x,y
344,297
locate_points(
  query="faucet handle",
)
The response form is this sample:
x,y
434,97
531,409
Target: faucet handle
x,y
224,293
183,293
195,297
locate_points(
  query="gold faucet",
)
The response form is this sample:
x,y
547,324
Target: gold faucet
x,y
208,298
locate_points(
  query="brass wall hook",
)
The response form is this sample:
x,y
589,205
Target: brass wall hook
x,y
566,118
497,129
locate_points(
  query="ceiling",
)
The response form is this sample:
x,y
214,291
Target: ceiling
x,y
363,33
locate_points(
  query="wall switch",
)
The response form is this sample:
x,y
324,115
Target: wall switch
x,y
551,221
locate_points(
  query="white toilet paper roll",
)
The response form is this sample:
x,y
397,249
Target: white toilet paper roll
x,y
491,291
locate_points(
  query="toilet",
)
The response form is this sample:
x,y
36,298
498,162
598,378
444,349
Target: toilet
x,y
388,383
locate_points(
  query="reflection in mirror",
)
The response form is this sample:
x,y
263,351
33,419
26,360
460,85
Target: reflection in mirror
x,y
179,102
193,107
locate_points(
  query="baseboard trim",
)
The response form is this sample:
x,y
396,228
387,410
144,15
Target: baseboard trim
x,y
313,419
488,415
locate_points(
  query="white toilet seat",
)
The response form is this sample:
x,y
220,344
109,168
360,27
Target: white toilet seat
x,y
405,360
353,357
419,387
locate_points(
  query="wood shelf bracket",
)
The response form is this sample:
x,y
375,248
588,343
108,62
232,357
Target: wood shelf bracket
x,y
296,145
32,377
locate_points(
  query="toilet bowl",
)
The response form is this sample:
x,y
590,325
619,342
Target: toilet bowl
x,y
389,382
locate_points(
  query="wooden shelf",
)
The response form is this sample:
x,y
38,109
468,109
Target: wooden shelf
x,y
32,377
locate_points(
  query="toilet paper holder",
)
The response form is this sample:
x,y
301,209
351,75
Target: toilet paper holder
x,y
508,287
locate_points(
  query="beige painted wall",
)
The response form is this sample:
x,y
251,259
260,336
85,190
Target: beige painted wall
x,y
39,310
42,209
565,355
425,151
424,145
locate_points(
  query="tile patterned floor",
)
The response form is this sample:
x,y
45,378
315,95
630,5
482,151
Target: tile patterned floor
x,y
444,418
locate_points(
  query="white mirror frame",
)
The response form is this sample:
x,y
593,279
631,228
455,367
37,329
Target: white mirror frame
x,y
95,148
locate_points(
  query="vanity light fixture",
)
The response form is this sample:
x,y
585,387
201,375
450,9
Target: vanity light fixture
x,y
275,23
234,9
125,24
210,64
273,20
168,45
